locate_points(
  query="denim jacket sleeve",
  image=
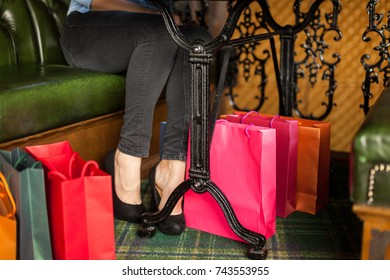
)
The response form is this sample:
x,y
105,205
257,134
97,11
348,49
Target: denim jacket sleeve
x,y
149,4
81,6
85,3
84,6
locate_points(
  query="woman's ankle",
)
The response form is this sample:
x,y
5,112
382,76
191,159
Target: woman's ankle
x,y
169,174
128,178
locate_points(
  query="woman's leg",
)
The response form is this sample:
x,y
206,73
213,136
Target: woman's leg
x,y
139,45
171,170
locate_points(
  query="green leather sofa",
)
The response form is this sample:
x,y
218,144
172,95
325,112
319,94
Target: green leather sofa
x,y
370,164
370,179
44,100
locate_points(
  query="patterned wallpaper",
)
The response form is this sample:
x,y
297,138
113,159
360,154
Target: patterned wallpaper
x,y
346,116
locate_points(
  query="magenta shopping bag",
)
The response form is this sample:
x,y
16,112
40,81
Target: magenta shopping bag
x,y
286,156
242,165
313,155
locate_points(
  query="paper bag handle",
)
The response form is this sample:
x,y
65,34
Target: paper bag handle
x,y
4,184
272,121
246,129
72,159
85,167
19,161
221,120
257,113
54,172
23,158
89,163
248,114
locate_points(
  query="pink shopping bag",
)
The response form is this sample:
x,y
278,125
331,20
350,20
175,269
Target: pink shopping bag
x,y
313,164
286,156
243,166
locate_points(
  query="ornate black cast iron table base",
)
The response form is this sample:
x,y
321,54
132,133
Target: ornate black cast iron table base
x,y
256,241
201,126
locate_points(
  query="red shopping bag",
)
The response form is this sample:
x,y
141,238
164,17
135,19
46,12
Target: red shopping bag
x,y
79,198
286,156
242,165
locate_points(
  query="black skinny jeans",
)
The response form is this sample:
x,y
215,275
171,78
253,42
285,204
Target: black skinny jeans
x,y
140,45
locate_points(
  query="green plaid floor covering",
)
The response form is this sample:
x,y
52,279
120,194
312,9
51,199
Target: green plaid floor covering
x,y
333,233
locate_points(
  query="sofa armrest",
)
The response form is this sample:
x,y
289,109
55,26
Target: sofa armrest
x,y
370,156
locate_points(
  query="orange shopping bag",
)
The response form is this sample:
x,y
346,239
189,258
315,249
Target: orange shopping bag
x,y
313,165
7,222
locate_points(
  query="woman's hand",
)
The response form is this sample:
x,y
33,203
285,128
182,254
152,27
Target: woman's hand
x,y
123,5
120,5
176,19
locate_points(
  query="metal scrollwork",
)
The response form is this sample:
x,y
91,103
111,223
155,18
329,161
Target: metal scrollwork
x,y
382,65
314,62
314,66
245,55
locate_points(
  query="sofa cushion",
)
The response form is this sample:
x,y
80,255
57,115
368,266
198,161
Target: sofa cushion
x,y
37,98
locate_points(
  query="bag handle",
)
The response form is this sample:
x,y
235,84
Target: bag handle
x,y
20,160
221,120
248,114
87,165
272,121
61,176
257,113
246,129
54,171
71,161
24,158
4,184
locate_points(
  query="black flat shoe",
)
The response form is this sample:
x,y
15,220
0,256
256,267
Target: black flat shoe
x,y
173,224
122,211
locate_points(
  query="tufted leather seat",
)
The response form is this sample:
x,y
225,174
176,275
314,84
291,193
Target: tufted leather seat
x,y
38,90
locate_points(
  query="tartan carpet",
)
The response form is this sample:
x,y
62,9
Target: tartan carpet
x,y
334,233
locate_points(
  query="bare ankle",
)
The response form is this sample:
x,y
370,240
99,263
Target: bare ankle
x,y
128,178
169,174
